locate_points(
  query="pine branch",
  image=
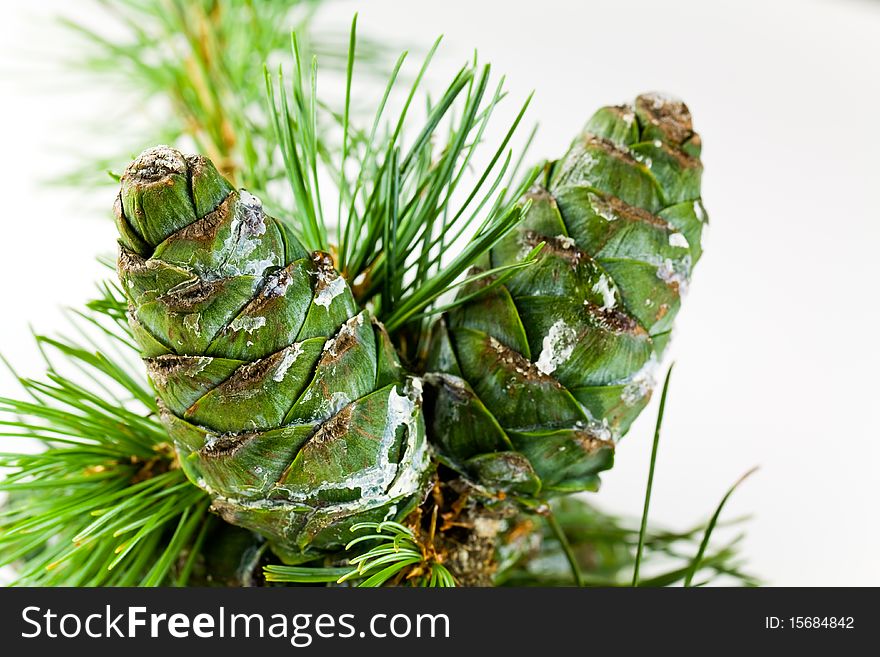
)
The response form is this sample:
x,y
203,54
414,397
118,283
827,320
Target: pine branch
x,y
103,504
197,65
606,546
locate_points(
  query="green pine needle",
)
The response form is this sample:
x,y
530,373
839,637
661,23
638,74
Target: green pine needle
x,y
699,560
395,556
105,491
195,64
644,526
605,545
398,215
559,534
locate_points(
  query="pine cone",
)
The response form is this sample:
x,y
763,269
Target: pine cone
x,y
535,379
285,401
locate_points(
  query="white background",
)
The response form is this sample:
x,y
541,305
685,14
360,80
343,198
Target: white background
x,y
776,352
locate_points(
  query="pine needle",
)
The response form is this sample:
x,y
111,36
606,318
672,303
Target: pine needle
x,y
105,492
197,66
605,547
559,533
397,218
644,526
713,521
394,556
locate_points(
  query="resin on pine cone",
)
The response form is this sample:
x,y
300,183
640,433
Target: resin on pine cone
x,y
534,381
285,401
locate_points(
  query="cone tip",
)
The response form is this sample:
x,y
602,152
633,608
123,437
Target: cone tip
x,y
156,163
667,111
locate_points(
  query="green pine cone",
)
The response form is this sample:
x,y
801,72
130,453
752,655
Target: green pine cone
x,y
535,379
285,401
